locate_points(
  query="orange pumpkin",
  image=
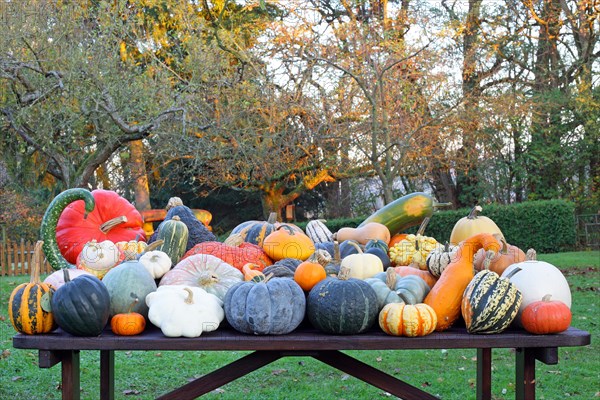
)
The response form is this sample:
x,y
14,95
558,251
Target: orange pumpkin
x,y
446,296
427,276
398,237
129,323
507,256
234,251
252,272
546,316
286,242
309,273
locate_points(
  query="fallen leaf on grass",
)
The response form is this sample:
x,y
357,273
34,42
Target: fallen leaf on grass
x,y
2,318
425,384
218,390
345,377
277,372
4,354
379,359
130,392
16,378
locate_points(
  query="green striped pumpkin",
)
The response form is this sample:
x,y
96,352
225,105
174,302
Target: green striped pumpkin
x,y
490,303
26,311
174,234
318,231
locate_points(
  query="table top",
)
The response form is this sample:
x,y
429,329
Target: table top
x,y
303,338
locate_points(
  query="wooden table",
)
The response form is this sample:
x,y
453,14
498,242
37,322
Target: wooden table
x,y
60,347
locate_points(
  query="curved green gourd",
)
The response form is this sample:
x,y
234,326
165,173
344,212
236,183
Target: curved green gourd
x,y
50,221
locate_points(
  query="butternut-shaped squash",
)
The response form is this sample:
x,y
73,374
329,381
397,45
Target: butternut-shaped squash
x,y
364,233
446,296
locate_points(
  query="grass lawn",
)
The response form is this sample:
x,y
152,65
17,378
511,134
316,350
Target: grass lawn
x,y
447,374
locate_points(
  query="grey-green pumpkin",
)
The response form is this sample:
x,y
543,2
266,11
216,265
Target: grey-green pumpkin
x,y
269,307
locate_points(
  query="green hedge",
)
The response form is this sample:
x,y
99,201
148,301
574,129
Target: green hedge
x,y
549,226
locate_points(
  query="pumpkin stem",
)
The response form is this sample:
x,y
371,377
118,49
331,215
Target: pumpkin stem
x,y
337,257
531,255
66,276
234,240
547,297
489,254
390,278
321,257
190,297
133,303
437,205
344,273
474,211
154,245
207,278
356,246
173,202
38,260
272,218
108,225
423,226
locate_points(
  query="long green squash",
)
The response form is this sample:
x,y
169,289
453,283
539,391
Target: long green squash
x,y
50,221
406,211
174,234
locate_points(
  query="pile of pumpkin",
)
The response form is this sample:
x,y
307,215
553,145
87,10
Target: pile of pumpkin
x,y
267,277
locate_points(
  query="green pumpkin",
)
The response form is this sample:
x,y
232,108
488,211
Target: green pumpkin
x,y
174,234
126,282
490,303
269,307
81,306
344,306
385,289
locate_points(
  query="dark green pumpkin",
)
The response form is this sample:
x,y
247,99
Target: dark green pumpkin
x,y
81,306
270,307
342,306
284,268
382,255
490,303
377,243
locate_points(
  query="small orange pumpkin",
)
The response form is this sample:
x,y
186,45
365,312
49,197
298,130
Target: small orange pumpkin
x,y
252,271
309,273
546,316
129,323
286,242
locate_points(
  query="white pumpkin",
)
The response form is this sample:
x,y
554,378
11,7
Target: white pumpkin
x,y
535,279
362,265
99,257
156,262
184,310
57,278
204,271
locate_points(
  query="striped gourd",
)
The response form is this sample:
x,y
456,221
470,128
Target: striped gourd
x,y
490,303
439,258
318,231
26,310
174,234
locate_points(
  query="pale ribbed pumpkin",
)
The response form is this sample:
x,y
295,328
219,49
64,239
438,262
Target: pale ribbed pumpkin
x,y
400,319
490,303
318,231
205,271
471,225
385,288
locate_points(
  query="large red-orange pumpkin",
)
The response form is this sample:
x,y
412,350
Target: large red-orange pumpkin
x,y
114,218
233,251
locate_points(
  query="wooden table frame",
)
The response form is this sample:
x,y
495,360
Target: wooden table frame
x,y
59,347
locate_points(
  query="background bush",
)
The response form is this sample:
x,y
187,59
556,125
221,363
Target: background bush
x,y
549,226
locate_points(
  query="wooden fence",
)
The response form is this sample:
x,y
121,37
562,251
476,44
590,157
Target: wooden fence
x,y
16,258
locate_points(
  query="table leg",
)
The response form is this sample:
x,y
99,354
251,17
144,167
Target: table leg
x,y
223,375
372,375
525,374
70,375
107,374
484,374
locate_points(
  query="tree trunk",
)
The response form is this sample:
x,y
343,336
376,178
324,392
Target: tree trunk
x,y
140,178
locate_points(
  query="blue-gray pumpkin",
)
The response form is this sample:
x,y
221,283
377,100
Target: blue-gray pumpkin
x,y
270,307
342,306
